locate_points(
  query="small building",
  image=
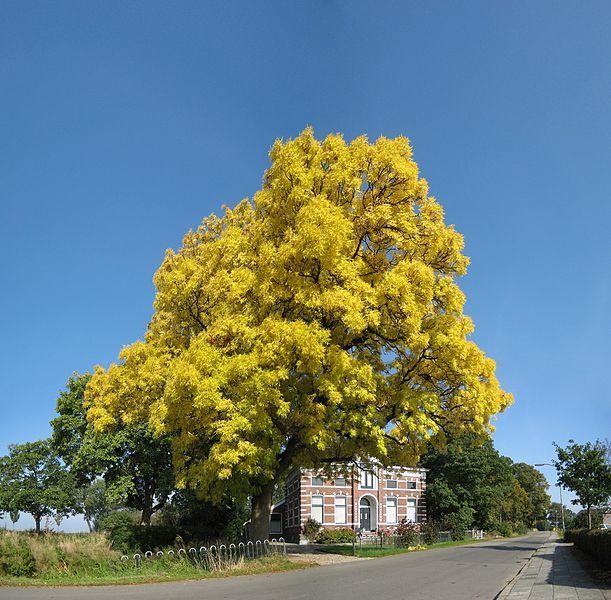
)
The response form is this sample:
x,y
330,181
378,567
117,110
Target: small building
x,y
363,497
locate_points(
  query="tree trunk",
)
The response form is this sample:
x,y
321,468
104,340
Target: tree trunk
x,y
37,521
589,517
147,513
148,501
259,516
262,502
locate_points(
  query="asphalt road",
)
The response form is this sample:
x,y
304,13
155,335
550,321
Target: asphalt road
x,y
459,573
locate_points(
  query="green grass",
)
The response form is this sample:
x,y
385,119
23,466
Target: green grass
x,y
88,559
155,571
376,551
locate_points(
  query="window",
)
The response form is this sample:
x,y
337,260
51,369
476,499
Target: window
x,y
366,479
318,481
411,485
293,514
391,483
340,481
340,509
391,510
318,503
411,510
275,523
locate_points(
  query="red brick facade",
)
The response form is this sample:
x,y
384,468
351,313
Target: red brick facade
x,y
366,499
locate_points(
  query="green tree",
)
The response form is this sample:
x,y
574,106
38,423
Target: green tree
x,y
94,503
515,507
535,485
591,521
584,469
14,514
554,514
136,465
33,480
470,477
203,519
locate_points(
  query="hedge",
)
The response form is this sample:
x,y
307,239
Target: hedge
x,y
594,542
342,535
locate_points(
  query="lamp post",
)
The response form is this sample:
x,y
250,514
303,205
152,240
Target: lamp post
x,y
559,489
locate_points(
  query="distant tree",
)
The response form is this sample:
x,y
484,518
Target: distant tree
x,y
135,465
34,480
554,514
14,514
94,503
470,478
515,507
584,469
594,520
535,485
607,445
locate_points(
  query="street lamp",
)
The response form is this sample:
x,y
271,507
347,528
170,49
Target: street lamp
x,y
559,489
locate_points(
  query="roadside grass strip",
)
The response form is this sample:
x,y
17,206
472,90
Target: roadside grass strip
x,y
377,551
153,572
28,559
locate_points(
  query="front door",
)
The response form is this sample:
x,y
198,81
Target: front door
x,y
366,518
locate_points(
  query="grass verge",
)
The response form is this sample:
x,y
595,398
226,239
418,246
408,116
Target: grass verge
x,y
376,551
55,559
154,571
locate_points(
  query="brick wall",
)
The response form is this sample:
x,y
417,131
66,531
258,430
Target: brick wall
x,y
302,486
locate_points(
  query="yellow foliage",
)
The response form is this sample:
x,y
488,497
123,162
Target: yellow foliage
x,y
321,320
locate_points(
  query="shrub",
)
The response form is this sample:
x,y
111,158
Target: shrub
x,y
16,558
594,542
429,532
117,518
128,537
311,528
543,525
407,534
521,529
457,522
342,535
504,529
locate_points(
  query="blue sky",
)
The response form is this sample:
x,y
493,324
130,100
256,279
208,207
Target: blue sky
x,y
122,124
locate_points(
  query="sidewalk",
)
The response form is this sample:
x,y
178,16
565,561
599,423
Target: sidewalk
x,y
553,573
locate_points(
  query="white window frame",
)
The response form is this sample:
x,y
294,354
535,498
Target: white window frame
x,y
365,476
392,487
392,504
317,506
412,503
341,503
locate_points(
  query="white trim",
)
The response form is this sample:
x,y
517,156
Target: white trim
x,y
318,506
374,506
344,506
396,509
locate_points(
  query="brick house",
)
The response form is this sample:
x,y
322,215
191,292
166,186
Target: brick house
x,y
364,497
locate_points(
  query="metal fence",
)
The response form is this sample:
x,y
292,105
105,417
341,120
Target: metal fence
x,y
215,557
383,539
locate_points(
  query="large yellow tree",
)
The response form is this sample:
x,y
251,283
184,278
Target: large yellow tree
x,y
320,321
